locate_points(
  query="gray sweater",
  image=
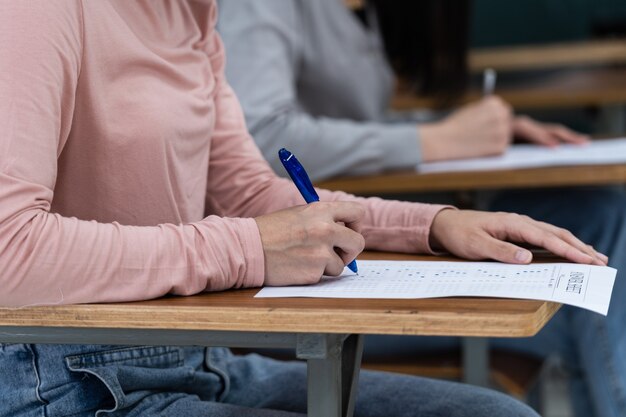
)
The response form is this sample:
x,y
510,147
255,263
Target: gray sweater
x,y
313,79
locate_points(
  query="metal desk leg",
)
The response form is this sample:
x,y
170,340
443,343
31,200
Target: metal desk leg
x,y
476,361
333,361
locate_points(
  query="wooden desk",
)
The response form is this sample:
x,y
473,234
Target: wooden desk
x,y
567,88
414,182
325,332
532,57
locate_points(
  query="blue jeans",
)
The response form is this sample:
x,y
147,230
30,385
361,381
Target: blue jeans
x,y
88,380
593,347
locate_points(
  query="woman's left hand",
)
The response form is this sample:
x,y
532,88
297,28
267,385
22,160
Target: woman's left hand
x,y
482,235
547,134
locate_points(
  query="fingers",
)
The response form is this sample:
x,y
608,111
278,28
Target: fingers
x,y
568,237
600,255
565,135
528,129
547,134
348,244
496,104
347,212
540,235
502,112
504,251
340,234
335,265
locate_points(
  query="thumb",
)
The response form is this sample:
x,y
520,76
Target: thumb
x,y
506,252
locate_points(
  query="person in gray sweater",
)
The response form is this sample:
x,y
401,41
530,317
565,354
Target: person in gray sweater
x,y
313,78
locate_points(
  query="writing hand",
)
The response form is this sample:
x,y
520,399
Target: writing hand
x,y
482,235
478,129
303,242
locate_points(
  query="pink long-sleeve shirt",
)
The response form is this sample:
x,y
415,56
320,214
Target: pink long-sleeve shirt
x,y
126,171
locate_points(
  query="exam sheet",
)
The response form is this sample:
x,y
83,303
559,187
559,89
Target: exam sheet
x,y
597,152
584,286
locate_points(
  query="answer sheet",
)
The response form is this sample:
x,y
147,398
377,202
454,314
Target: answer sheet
x,y
584,286
597,152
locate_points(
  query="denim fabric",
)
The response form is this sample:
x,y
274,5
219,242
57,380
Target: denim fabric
x,y
593,347
75,380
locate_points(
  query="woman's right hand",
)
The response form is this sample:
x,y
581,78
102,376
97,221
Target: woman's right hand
x,y
477,129
301,243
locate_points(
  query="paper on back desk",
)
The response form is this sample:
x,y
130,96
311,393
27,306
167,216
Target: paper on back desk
x,y
598,152
584,286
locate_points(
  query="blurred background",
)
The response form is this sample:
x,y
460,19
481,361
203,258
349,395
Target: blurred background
x,y
508,23
557,60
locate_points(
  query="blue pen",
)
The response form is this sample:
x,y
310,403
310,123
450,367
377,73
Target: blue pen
x,y
301,179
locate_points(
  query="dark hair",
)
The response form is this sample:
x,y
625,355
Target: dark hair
x,y
426,42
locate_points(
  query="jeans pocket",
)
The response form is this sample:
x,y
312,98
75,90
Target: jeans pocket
x,y
128,375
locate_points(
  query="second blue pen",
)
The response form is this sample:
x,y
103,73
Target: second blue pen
x,y
302,182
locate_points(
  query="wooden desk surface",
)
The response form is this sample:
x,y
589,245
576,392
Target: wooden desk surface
x,y
413,182
237,310
577,87
528,57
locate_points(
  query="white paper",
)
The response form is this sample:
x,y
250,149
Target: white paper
x,y
598,152
584,286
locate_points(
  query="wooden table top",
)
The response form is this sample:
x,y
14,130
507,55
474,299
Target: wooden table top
x,y
575,87
237,310
529,57
410,181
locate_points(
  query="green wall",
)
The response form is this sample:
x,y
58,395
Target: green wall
x,y
510,22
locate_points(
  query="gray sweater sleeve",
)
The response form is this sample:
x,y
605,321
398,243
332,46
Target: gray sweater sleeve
x,y
264,50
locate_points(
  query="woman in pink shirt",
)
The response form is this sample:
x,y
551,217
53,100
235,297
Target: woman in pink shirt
x,y
126,173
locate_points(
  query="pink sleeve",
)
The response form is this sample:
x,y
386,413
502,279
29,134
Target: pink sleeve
x,y
50,259
395,226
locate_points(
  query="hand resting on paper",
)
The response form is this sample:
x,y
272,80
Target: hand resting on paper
x,y
547,134
480,235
